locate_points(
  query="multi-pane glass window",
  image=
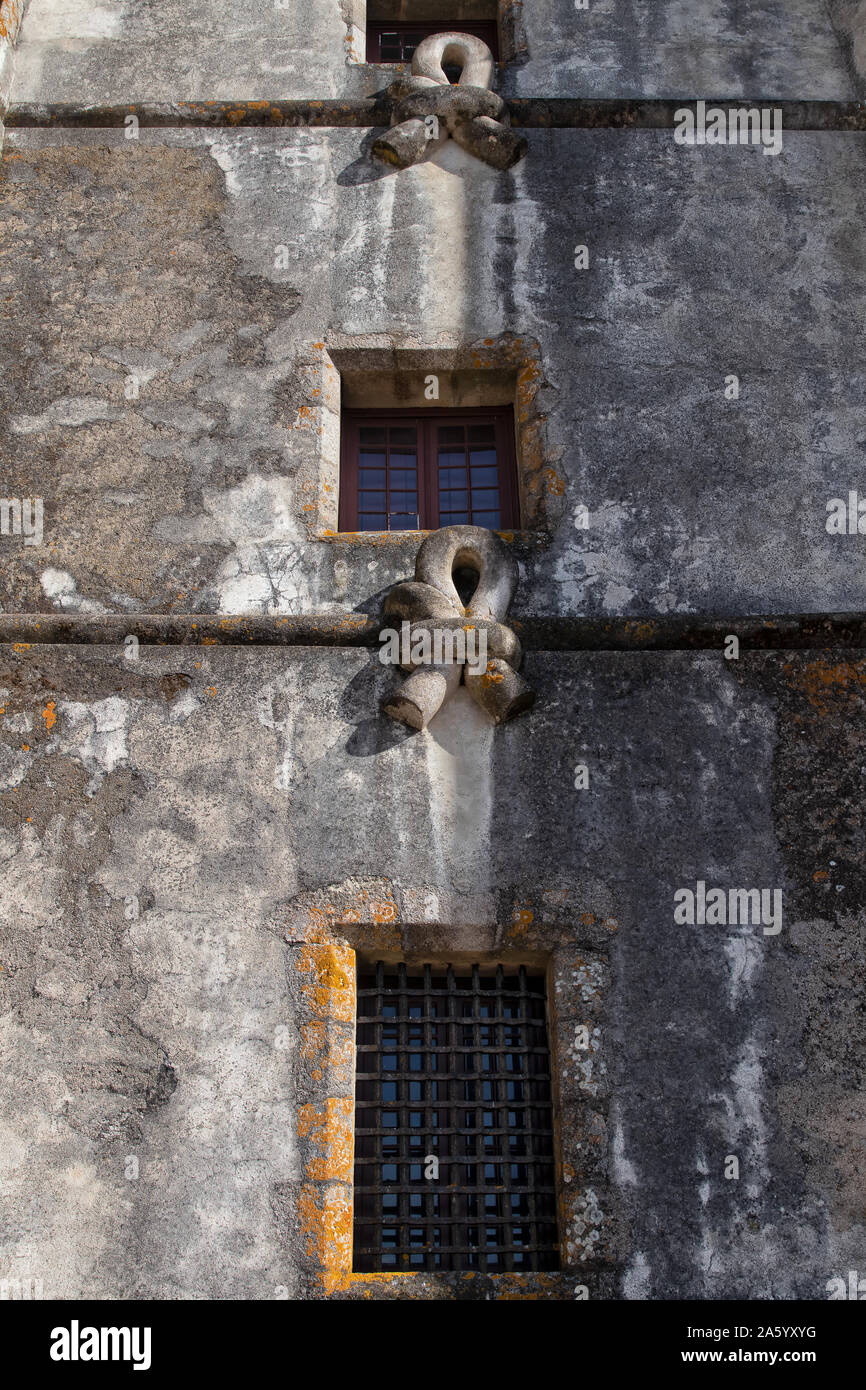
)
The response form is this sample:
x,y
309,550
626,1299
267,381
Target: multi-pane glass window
x,y
468,475
405,471
388,42
454,1150
388,477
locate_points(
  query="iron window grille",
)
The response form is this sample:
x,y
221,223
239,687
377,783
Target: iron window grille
x,y
409,470
389,42
453,1065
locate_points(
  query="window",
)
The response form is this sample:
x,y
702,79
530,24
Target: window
x,y
408,470
389,42
454,1154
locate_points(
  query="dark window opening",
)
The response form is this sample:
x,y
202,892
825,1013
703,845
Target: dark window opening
x,y
453,1065
389,42
405,470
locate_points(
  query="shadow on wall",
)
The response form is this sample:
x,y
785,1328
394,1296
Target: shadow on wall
x,y
849,21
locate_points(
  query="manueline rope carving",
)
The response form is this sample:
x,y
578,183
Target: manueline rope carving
x,y
427,108
431,604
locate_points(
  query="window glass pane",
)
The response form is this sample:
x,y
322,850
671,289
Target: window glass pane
x,y
488,519
485,477
372,523
453,501
482,456
453,460
485,499
403,502
403,523
372,477
482,434
371,437
371,501
451,434
402,435
456,519
401,478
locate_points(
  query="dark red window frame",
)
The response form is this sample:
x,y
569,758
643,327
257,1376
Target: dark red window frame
x,y
427,424
405,32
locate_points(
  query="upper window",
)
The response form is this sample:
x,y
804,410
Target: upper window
x,y
454,1142
388,42
410,470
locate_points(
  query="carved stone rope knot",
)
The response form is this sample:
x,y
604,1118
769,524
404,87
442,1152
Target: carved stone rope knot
x,y
470,113
432,603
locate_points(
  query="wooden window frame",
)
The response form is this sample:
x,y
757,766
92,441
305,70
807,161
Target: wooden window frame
x,y
426,421
485,29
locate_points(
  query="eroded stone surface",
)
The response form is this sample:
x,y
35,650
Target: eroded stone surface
x,y
246,782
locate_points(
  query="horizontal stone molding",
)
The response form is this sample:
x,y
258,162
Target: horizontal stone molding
x,y
579,113
782,632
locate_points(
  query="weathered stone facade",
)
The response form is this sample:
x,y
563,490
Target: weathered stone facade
x,y
200,261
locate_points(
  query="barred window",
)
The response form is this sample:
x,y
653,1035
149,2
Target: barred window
x,y
454,1146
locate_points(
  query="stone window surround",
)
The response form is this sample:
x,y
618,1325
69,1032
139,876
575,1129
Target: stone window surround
x,y
541,487
509,17
326,936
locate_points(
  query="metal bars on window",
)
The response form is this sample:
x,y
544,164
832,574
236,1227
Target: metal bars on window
x,y
454,1157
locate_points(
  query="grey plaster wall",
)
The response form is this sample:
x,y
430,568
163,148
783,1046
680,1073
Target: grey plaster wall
x,y
157,257
215,788
163,822
141,50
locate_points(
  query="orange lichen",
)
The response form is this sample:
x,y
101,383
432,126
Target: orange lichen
x,y
492,676
383,912
825,683
331,1131
10,18
50,716
331,991
641,631
325,1219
